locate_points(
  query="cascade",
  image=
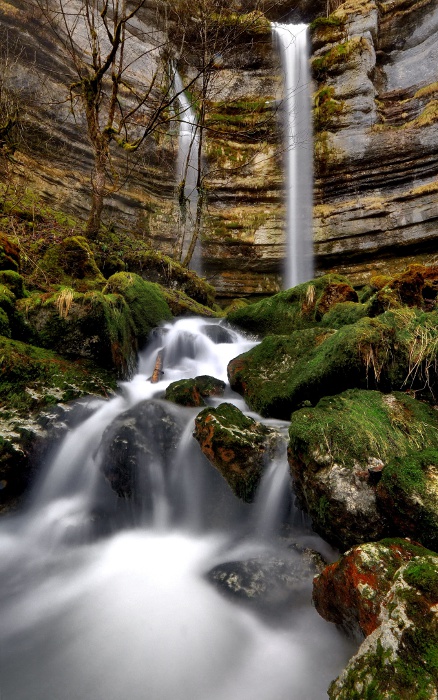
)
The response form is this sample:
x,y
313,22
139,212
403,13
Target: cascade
x,y
187,170
105,598
293,43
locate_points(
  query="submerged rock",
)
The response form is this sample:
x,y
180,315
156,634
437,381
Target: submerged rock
x,y
265,581
236,445
339,451
398,659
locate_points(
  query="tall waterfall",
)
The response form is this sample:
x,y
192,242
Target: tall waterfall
x,y
187,172
293,42
104,598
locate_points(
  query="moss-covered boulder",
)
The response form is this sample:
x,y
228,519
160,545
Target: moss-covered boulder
x,y
181,304
13,323
417,286
145,300
300,307
72,263
339,450
90,326
396,351
350,591
185,393
14,282
408,494
399,660
191,392
236,445
9,254
31,379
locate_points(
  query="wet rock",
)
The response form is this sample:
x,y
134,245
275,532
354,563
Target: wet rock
x,y
236,445
340,450
218,334
268,582
139,444
350,591
399,658
185,393
191,392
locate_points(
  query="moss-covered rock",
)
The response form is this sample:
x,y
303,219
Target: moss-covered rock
x,y
396,351
146,302
337,452
14,282
399,660
185,393
72,263
236,445
296,308
30,380
408,495
191,392
350,591
417,286
181,304
90,326
9,254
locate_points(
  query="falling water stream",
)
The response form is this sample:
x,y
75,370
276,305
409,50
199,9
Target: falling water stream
x,y
103,599
293,42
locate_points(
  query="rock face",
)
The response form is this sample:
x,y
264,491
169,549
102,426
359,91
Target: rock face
x,y
236,445
390,590
376,139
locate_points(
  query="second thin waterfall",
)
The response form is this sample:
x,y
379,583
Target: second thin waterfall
x,y
293,43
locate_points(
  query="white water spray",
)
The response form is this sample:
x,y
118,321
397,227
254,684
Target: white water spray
x,y
293,43
187,167
129,611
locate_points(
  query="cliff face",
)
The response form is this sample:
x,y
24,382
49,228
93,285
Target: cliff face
x,y
375,96
376,118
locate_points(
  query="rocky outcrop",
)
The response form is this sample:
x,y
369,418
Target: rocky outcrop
x,y
238,446
391,592
376,133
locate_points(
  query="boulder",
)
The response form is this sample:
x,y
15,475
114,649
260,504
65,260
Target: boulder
x,y
91,326
300,307
72,262
146,302
140,444
399,658
339,451
397,350
350,591
236,445
191,392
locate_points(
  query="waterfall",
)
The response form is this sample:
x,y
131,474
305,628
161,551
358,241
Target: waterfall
x,y
187,171
293,42
105,598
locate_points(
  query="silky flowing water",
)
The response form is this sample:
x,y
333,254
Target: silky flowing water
x,y
102,599
293,43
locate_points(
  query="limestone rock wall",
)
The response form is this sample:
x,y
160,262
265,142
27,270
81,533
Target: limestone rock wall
x,y
376,118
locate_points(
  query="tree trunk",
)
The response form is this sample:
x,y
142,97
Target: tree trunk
x,y
97,198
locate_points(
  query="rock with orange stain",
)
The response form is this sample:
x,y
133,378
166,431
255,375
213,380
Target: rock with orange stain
x,y
236,445
350,591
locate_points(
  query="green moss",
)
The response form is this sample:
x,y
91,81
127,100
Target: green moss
x,y
423,574
383,427
334,60
72,263
287,311
32,377
185,393
181,304
14,282
5,328
344,314
326,108
145,300
331,21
